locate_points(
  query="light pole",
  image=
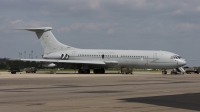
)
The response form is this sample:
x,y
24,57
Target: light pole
x,y
21,55
32,54
24,54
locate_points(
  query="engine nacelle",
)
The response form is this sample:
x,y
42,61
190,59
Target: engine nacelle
x,y
49,65
52,56
65,56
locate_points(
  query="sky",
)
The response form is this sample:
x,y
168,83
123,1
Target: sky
x,y
168,25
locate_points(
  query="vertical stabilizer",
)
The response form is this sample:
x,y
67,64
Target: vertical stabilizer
x,y
48,41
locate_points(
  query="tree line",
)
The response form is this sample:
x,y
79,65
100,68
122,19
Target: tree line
x,y
20,64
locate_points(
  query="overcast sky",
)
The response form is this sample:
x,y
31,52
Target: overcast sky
x,y
168,25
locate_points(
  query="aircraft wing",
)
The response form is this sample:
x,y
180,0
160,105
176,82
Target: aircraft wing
x,y
65,61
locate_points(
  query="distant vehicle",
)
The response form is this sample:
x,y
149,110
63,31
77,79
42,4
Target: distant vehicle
x,y
13,70
126,71
192,70
30,70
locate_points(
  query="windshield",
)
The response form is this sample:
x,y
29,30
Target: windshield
x,y
176,57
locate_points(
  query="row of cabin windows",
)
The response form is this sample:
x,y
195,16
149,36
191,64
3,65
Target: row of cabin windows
x,y
98,55
135,56
113,56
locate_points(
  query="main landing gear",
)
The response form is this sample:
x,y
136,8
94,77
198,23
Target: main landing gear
x,y
82,71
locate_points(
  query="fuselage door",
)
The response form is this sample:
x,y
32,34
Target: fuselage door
x,y
102,56
154,56
73,54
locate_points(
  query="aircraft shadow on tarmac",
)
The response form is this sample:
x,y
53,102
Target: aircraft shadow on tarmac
x,y
190,101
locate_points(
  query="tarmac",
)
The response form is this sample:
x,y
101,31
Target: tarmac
x,y
113,92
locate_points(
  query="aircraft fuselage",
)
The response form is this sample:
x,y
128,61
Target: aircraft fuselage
x,y
125,58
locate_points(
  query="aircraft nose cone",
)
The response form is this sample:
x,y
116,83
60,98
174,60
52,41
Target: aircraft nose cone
x,y
182,62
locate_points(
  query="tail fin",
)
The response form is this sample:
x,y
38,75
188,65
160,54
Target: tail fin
x,y
47,40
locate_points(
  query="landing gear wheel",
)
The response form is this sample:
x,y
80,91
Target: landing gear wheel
x,y
86,71
102,71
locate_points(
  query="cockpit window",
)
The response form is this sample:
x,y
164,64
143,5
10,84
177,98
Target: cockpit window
x,y
176,57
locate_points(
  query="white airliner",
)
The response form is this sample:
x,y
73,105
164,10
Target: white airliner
x,y
56,53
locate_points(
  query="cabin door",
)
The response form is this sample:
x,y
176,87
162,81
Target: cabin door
x,y
73,54
154,56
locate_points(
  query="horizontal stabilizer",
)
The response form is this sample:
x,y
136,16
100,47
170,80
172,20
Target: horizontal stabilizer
x,y
42,29
49,43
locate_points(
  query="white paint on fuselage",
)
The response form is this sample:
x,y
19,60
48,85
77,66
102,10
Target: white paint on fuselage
x,y
56,52
126,58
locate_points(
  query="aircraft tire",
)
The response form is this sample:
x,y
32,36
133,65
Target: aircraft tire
x,y
95,71
87,71
103,71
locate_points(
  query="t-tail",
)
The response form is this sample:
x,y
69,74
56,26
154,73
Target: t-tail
x,y
49,43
